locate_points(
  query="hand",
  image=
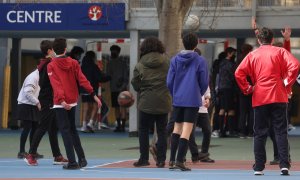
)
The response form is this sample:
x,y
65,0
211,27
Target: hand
x,y
39,106
286,33
98,101
66,106
290,95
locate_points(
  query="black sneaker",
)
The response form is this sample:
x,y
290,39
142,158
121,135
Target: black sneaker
x,y
118,129
195,159
181,166
160,164
22,155
207,160
72,166
82,162
141,163
202,156
284,172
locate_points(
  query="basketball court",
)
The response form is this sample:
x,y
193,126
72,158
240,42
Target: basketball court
x,y
111,155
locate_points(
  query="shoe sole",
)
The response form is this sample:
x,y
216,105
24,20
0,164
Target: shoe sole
x,y
142,165
285,172
90,129
182,169
205,161
203,157
59,163
258,173
29,163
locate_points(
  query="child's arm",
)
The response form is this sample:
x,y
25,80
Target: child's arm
x,y
29,89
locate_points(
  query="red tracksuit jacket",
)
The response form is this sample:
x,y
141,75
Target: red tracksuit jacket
x,y
268,67
64,74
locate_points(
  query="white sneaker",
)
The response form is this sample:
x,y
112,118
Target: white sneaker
x,y
291,127
285,172
104,126
215,134
83,129
258,173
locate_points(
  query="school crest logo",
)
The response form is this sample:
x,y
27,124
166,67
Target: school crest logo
x,y
95,13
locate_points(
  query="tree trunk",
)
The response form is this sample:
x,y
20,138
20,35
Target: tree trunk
x,y
170,29
171,14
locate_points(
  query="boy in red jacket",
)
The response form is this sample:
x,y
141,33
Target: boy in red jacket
x,y
272,70
64,74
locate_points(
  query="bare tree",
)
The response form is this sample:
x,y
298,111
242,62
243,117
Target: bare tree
x,y
171,15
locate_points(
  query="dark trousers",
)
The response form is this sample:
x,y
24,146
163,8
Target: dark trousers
x,y
66,125
266,116
145,123
275,149
216,123
47,123
202,122
28,127
246,115
273,138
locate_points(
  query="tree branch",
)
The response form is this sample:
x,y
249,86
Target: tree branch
x,y
185,5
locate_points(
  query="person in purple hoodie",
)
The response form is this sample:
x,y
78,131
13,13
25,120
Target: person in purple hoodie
x,y
187,81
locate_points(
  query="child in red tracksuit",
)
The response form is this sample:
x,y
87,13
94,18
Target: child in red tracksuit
x,y
65,75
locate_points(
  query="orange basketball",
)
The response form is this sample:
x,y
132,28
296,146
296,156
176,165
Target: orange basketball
x,y
125,99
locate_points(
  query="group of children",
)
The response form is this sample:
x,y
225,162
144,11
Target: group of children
x,y
271,70
49,95
48,99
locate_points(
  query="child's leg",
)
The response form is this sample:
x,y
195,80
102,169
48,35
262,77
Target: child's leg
x,y
26,130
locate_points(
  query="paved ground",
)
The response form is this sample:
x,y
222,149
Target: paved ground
x,y
106,151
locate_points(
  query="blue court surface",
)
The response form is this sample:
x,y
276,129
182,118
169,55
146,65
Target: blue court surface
x,y
105,161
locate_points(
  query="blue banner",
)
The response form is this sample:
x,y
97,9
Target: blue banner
x,y
62,16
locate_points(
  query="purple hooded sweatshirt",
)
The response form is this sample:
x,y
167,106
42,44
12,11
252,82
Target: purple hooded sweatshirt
x,y
187,79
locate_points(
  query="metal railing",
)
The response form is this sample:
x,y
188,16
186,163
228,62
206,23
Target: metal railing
x,y
198,3
222,3
65,1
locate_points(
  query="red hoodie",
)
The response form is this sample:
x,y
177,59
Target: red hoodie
x,y
64,74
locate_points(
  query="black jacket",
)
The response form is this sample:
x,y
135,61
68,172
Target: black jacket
x,y
46,92
226,75
94,75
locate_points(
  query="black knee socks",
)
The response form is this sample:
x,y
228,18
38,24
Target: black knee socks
x,y
23,139
222,124
174,146
182,149
118,123
123,124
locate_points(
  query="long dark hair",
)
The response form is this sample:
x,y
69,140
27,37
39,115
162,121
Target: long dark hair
x,y
151,44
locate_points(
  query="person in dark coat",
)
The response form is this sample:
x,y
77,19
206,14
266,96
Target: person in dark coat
x,y
95,76
149,80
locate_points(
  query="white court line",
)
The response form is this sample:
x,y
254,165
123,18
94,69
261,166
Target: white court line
x,y
179,172
106,164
